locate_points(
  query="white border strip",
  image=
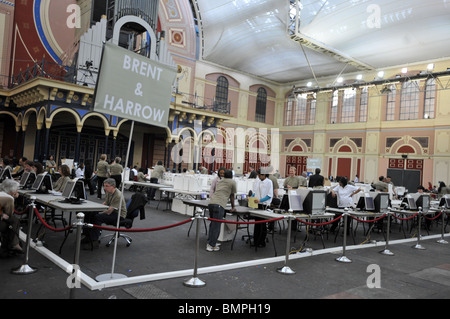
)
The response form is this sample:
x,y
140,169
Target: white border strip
x,y
94,285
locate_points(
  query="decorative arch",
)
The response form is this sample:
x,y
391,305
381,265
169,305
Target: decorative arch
x,y
76,116
26,117
345,145
297,146
407,145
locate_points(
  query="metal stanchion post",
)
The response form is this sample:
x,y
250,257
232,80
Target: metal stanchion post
x,y
286,270
442,240
386,250
418,245
76,260
195,282
25,269
343,258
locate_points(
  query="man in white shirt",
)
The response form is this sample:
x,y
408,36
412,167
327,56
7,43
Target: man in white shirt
x,y
263,191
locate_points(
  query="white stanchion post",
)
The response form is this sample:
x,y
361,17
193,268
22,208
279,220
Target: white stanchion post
x,y
76,259
286,270
195,282
386,250
25,269
113,275
343,258
418,245
442,240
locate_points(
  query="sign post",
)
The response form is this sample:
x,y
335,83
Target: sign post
x,y
133,87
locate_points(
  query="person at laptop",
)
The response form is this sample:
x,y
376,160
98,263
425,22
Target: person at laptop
x,y
60,184
113,199
225,190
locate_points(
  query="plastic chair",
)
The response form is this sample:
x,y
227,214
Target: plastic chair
x,y
135,206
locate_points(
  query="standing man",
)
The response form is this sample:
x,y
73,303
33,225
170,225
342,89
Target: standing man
x,y
116,171
263,191
316,180
225,189
157,174
102,174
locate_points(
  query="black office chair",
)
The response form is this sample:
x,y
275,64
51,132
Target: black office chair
x,y
135,207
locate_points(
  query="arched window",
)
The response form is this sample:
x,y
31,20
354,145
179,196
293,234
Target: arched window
x,y
364,102
334,107
261,103
221,102
430,99
390,105
409,104
348,106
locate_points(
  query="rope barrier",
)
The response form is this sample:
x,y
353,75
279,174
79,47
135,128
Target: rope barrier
x,y
48,226
368,221
432,218
319,224
21,213
236,222
407,218
124,230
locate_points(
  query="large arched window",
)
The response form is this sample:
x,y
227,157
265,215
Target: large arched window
x,y
430,99
348,106
261,103
390,105
409,104
221,102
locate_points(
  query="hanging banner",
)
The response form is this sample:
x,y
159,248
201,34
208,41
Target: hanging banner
x,y
134,87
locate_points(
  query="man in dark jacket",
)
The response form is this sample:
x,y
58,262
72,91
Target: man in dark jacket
x,y
316,180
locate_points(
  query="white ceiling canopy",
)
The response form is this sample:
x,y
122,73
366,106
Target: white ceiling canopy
x,y
332,37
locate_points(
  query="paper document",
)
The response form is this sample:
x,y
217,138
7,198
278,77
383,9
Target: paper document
x,y
252,202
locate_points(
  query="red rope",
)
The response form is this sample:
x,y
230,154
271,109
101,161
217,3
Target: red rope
x,y
255,222
124,230
22,213
432,218
407,218
320,224
48,226
368,221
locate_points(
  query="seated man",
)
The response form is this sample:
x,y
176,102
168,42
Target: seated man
x,y
113,199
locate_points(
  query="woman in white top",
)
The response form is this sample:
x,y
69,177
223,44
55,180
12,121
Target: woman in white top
x,y
345,192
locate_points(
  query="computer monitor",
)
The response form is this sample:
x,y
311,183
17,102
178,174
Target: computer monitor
x,y
366,203
424,201
28,181
409,203
315,202
381,202
67,191
74,192
285,203
6,174
295,203
43,184
23,179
